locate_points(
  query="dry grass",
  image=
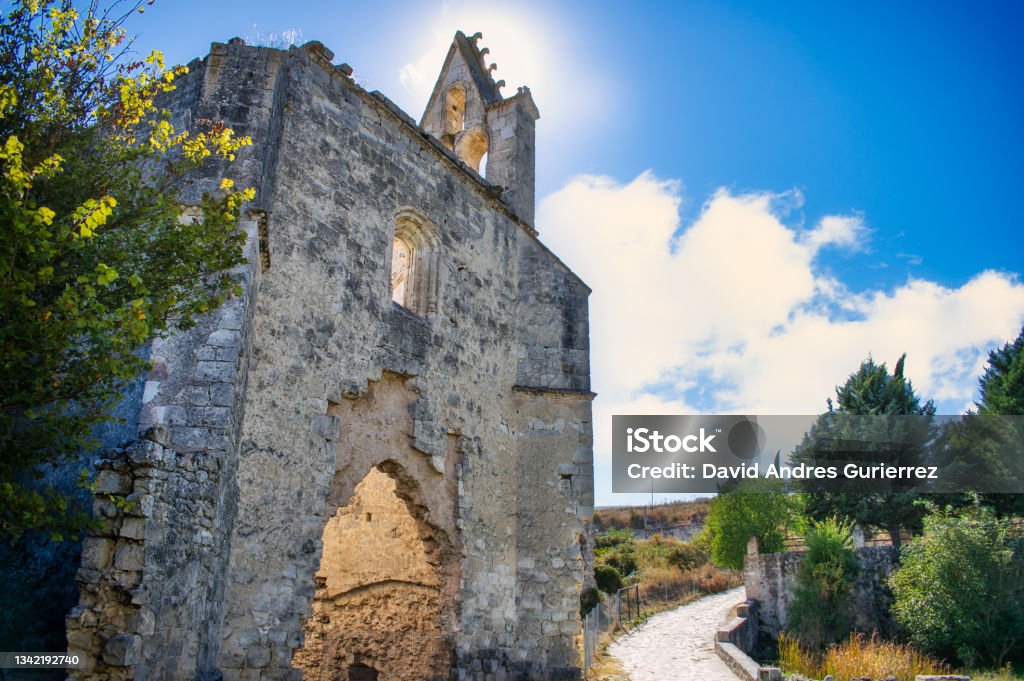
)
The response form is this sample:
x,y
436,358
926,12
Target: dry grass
x,y
606,668
676,513
667,586
858,657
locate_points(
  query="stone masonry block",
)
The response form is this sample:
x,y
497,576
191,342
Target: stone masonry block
x,y
122,650
215,372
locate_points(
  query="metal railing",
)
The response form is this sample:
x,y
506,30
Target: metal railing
x,y
617,610
629,604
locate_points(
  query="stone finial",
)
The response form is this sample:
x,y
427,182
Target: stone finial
x,y
475,37
492,67
500,84
484,51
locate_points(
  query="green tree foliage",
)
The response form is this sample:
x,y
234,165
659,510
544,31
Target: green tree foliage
x,y
613,539
608,578
983,452
1002,394
95,259
870,391
983,449
959,589
755,508
1002,384
822,613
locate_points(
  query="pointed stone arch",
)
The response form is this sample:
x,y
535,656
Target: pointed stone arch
x,y
454,112
471,146
386,588
377,606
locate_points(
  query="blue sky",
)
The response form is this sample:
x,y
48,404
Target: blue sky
x,y
778,189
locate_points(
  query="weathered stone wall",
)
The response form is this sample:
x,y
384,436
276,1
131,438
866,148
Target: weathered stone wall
x,y
152,578
553,497
736,640
265,418
770,579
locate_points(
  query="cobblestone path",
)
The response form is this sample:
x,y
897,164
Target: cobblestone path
x,y
679,644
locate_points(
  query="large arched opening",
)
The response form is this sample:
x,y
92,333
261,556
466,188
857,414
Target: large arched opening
x,y
377,609
385,601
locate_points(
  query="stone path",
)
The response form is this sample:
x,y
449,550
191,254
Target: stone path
x,y
679,644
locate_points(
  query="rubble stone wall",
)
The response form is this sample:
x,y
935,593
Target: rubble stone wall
x,y
770,579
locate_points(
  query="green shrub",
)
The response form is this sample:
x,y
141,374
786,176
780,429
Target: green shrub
x,y
756,508
588,600
960,588
622,558
609,580
822,609
613,539
686,556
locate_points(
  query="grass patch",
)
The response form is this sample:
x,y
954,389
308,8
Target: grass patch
x,y
663,588
857,657
1005,674
606,667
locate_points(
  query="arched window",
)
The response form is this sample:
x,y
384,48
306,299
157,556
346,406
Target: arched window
x,y
471,147
401,269
455,110
414,263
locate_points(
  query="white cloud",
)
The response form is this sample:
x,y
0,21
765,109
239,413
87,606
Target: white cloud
x,y
736,314
843,231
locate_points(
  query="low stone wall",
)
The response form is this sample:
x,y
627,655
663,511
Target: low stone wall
x,y
737,638
770,579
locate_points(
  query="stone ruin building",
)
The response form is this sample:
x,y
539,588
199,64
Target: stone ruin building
x,y
377,462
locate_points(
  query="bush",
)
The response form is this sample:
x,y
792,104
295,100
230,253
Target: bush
x,y
686,556
609,580
617,548
623,559
822,610
667,585
960,588
589,600
613,539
